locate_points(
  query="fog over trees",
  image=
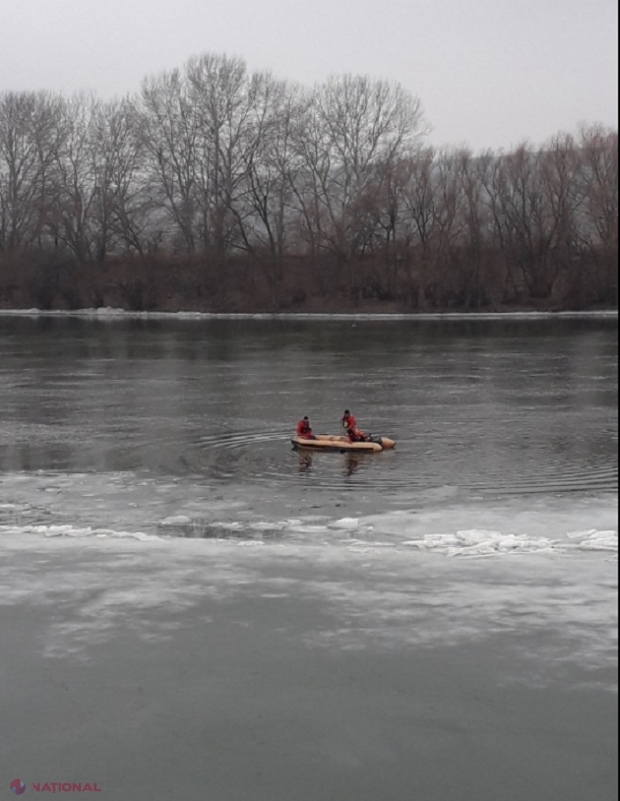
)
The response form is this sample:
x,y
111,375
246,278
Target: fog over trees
x,y
218,189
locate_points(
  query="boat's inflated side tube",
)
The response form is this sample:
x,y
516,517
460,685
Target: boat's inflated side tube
x,y
325,442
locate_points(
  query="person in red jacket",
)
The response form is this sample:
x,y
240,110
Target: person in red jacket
x,y
304,430
350,423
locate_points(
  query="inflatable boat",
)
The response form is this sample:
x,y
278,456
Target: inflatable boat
x,y
327,442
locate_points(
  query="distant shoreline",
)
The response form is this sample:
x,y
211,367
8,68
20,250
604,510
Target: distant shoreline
x,y
117,313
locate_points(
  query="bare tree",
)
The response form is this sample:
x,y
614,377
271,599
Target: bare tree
x,y
528,236
355,130
170,129
74,188
559,170
122,203
29,137
232,107
265,210
598,223
478,227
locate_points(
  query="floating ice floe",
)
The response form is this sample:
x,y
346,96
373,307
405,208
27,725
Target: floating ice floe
x,y
345,523
593,540
78,532
480,542
178,520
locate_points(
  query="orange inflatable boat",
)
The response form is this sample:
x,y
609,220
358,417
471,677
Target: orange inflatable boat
x,y
327,442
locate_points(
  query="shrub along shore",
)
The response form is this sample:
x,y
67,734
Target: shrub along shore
x,y
172,284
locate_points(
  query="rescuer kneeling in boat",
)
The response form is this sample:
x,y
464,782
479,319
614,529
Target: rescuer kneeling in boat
x,y
304,430
349,422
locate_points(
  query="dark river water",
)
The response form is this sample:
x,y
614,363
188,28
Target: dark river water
x,y
497,406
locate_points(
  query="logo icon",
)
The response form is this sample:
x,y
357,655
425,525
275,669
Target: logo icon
x,y
18,787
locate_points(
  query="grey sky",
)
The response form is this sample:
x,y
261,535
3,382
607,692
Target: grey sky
x,y
489,73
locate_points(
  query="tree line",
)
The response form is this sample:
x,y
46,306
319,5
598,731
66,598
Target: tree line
x,y
219,189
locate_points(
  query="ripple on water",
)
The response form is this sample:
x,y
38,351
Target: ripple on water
x,y
266,458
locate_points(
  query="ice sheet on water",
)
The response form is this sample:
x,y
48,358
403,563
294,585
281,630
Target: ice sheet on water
x,y
122,505
385,578
483,529
76,532
352,532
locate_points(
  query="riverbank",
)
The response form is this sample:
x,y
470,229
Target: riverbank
x,y
111,313
240,285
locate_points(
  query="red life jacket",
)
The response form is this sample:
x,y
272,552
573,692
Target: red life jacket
x,y
303,429
349,422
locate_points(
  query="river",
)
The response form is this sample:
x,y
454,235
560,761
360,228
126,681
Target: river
x,y
499,502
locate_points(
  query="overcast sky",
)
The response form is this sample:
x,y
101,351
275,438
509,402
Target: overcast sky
x,y
489,73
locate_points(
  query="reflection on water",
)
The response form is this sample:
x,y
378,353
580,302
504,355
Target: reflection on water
x,y
305,461
350,462
485,405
